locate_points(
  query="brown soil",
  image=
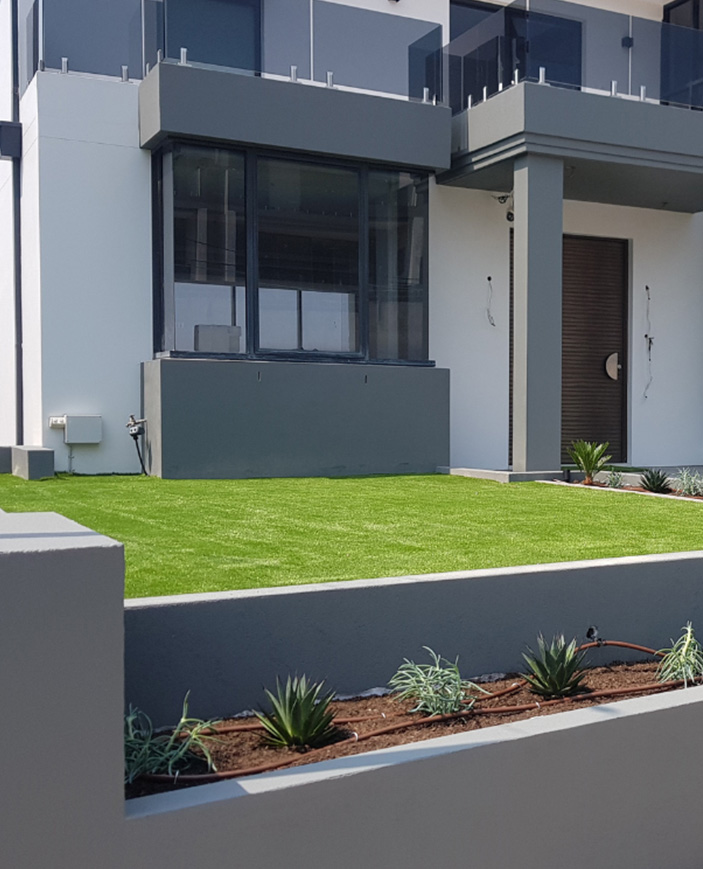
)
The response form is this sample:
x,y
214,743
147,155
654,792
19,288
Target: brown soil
x,y
246,749
596,484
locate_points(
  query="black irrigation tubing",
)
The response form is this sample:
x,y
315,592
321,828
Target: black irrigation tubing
x,y
205,778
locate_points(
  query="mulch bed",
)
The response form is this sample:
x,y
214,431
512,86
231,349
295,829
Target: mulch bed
x,y
247,749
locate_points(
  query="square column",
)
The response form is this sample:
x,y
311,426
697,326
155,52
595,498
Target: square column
x,y
537,346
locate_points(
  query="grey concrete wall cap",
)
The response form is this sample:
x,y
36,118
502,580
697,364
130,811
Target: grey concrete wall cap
x,y
182,600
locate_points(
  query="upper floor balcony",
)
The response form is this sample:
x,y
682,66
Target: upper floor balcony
x,y
577,47
609,94
298,74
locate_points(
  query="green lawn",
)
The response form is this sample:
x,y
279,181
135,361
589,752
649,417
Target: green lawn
x,y
209,535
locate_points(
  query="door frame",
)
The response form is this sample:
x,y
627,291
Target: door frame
x,y
627,339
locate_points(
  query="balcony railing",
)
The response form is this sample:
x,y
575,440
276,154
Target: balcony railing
x,y
578,47
310,41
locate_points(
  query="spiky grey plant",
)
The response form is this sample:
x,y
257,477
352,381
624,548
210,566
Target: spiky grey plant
x,y
437,687
169,752
684,660
616,480
688,482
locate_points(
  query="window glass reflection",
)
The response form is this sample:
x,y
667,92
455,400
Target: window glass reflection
x,y
397,265
308,248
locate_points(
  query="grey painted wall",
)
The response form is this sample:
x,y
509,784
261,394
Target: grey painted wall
x,y
177,100
538,207
232,419
616,785
479,797
61,660
619,151
355,634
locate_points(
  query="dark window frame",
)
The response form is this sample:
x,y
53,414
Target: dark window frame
x,y
253,352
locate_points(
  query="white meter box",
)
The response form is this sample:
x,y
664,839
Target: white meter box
x,y
83,429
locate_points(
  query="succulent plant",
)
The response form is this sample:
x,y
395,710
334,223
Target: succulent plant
x,y
684,660
688,482
655,480
556,669
437,687
300,714
616,480
150,753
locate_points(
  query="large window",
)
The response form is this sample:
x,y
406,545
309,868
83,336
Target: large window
x,y
270,256
308,243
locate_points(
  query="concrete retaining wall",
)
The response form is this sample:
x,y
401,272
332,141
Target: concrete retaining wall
x,y
609,786
355,634
468,799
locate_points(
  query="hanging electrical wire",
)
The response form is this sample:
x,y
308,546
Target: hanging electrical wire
x,y
489,302
648,337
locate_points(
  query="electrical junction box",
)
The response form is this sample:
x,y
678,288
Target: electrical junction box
x,y
79,429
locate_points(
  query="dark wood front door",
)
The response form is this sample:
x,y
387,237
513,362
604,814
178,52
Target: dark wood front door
x,y
594,328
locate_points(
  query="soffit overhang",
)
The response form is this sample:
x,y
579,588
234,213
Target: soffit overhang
x,y
615,150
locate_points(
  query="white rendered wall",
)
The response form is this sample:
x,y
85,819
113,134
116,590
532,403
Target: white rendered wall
x,y
667,254
31,270
93,327
469,240
7,308
7,276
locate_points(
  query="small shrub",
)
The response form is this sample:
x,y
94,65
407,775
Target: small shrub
x,y
684,660
149,753
590,458
688,482
616,480
300,716
437,687
556,670
655,480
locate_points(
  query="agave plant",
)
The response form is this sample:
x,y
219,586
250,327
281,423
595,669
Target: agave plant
x,y
300,714
590,458
556,669
437,687
150,753
655,480
684,660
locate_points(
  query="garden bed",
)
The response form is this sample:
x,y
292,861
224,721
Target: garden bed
x,y
380,722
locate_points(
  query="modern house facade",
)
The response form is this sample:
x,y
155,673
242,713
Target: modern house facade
x,y
319,237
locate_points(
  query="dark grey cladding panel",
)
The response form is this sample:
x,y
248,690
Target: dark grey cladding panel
x,y
216,105
10,140
235,419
